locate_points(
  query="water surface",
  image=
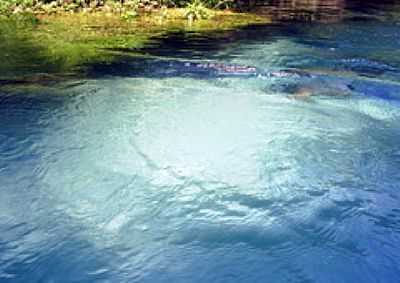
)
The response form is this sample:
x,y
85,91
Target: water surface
x,y
136,173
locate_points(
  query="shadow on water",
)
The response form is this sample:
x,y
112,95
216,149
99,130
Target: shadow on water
x,y
325,11
327,50
333,47
29,57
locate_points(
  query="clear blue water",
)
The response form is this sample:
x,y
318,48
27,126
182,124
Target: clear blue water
x,y
132,176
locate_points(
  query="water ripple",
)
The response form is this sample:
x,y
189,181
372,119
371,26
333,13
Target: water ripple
x,y
149,179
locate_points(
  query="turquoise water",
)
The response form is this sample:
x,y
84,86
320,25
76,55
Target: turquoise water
x,y
132,175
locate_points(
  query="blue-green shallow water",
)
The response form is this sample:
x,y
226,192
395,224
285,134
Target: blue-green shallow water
x,y
129,177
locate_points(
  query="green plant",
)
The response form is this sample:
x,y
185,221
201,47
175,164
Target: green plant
x,y
129,15
196,10
4,7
